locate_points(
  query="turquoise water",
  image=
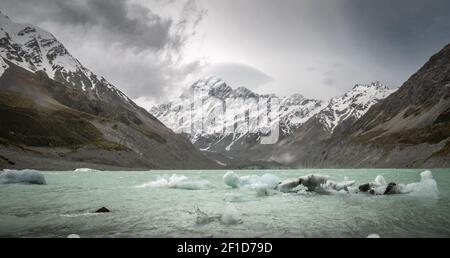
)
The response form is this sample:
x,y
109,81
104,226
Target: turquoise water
x,y
143,206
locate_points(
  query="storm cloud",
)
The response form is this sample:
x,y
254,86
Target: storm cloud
x,y
127,42
320,48
118,21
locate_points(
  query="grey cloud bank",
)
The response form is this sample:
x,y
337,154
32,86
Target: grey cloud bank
x,y
318,48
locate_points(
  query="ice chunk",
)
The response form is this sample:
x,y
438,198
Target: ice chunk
x,y
427,187
331,185
165,181
313,181
232,179
22,177
288,186
178,182
380,181
85,170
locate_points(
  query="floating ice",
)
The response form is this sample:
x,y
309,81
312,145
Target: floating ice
x,y
314,181
288,186
85,170
373,236
380,181
235,181
427,187
22,177
178,182
345,185
232,179
73,236
268,180
165,181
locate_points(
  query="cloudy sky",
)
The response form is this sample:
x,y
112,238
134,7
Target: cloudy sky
x,y
319,48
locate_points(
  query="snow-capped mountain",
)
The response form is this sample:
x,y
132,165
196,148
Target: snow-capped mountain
x,y
237,123
48,99
35,49
211,107
353,104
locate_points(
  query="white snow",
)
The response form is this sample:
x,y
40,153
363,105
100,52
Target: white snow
x,y
353,104
3,66
211,108
45,53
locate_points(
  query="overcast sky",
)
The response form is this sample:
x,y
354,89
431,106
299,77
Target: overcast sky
x,y
319,48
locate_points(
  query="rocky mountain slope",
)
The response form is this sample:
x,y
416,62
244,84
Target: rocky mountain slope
x,y
410,128
57,114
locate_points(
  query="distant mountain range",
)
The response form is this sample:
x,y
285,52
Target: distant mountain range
x,y
247,118
369,126
55,113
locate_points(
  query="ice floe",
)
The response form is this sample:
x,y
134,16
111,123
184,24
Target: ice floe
x,y
269,184
178,182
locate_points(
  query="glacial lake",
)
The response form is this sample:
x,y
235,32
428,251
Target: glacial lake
x,y
200,204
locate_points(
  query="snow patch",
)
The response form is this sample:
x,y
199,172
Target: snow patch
x,y
3,66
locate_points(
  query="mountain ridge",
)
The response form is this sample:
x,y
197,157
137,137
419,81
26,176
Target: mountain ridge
x,y
46,90
247,110
409,128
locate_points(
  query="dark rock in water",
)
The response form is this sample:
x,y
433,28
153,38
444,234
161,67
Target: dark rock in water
x,y
391,189
103,210
364,188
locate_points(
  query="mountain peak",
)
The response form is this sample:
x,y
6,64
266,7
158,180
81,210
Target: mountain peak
x,y
245,93
353,104
35,49
208,83
375,85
